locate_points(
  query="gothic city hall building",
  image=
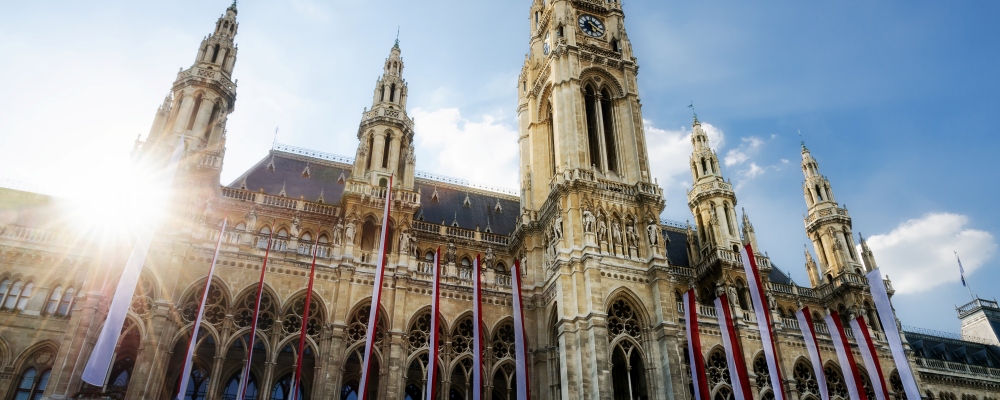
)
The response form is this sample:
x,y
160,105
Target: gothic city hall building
x,y
602,275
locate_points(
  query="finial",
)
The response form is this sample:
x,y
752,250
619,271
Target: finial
x,y
802,141
274,143
397,37
694,114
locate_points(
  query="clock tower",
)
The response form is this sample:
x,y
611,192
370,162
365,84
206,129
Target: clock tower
x,y
589,207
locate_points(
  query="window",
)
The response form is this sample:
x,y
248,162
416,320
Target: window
x,y
593,136
215,53
392,92
283,389
194,112
385,150
608,117
233,387
53,303
18,296
32,385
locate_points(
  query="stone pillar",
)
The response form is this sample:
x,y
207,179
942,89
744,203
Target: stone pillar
x,y
377,150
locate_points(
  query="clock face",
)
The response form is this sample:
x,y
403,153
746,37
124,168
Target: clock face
x,y
591,26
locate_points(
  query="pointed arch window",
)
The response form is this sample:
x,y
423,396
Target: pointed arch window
x,y
819,194
386,148
215,53
552,141
608,117
194,112
32,385
371,149
53,304
593,128
233,387
392,92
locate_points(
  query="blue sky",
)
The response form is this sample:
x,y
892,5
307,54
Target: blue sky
x,y
897,101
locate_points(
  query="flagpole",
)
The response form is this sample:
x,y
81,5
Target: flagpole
x,y
305,323
961,270
193,342
432,342
241,393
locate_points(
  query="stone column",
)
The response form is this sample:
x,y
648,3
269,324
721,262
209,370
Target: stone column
x,y
377,150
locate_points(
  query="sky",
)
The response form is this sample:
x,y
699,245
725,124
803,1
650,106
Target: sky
x,y
898,102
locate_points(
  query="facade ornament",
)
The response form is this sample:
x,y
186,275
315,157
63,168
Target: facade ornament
x,y
490,257
404,241
349,233
557,230
602,230
296,225
449,255
588,221
616,232
632,235
338,234
653,232
252,219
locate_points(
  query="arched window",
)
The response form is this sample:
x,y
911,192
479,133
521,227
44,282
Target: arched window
x,y
628,372
429,256
371,149
819,194
53,304
215,53
11,294
717,369
194,112
283,389
368,235
608,117
466,262
233,388
729,220
197,387
897,386
392,92
32,385
835,384
22,300
761,371
704,166
593,128
385,150
381,96
615,47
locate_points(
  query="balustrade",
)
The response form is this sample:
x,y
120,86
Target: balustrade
x,y
27,234
465,274
503,280
425,268
367,258
790,323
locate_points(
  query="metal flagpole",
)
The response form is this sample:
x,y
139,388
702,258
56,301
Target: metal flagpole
x,y
961,270
305,323
241,393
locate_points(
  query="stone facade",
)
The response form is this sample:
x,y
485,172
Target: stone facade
x,y
602,274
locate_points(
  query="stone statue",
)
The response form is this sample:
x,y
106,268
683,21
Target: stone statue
x,y
715,218
653,231
338,234
252,219
404,242
588,221
208,210
296,225
449,255
490,256
557,228
413,245
602,230
616,232
349,233
633,236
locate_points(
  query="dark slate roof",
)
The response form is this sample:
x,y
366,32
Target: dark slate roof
x,y
288,173
677,248
953,349
480,212
778,276
450,205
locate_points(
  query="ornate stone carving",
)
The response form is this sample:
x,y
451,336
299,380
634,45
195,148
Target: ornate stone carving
x,y
349,233
588,221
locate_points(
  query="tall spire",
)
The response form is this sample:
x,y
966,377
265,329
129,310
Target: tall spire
x,y
828,225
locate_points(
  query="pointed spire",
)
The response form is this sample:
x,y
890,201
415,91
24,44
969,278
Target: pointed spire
x,y
283,193
321,199
396,46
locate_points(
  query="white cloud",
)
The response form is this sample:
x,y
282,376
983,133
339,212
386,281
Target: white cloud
x,y
754,171
919,254
483,152
748,147
670,152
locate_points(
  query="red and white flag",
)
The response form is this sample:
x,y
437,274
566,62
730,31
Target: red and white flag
x,y
763,313
432,342
852,379
99,363
520,338
698,377
193,342
870,356
477,332
376,295
297,382
888,318
809,336
734,353
241,393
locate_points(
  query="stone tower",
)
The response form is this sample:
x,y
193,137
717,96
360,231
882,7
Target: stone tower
x,y
828,226
711,200
588,203
197,107
386,133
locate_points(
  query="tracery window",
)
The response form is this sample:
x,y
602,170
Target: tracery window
x,y
283,389
503,342
142,299
897,385
717,369
420,333
866,383
243,316
762,373
461,337
233,386
16,297
622,320
216,305
357,328
805,379
835,384
293,316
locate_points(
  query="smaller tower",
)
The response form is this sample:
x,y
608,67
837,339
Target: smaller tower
x,y
811,268
711,198
981,320
749,236
827,224
386,132
866,255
